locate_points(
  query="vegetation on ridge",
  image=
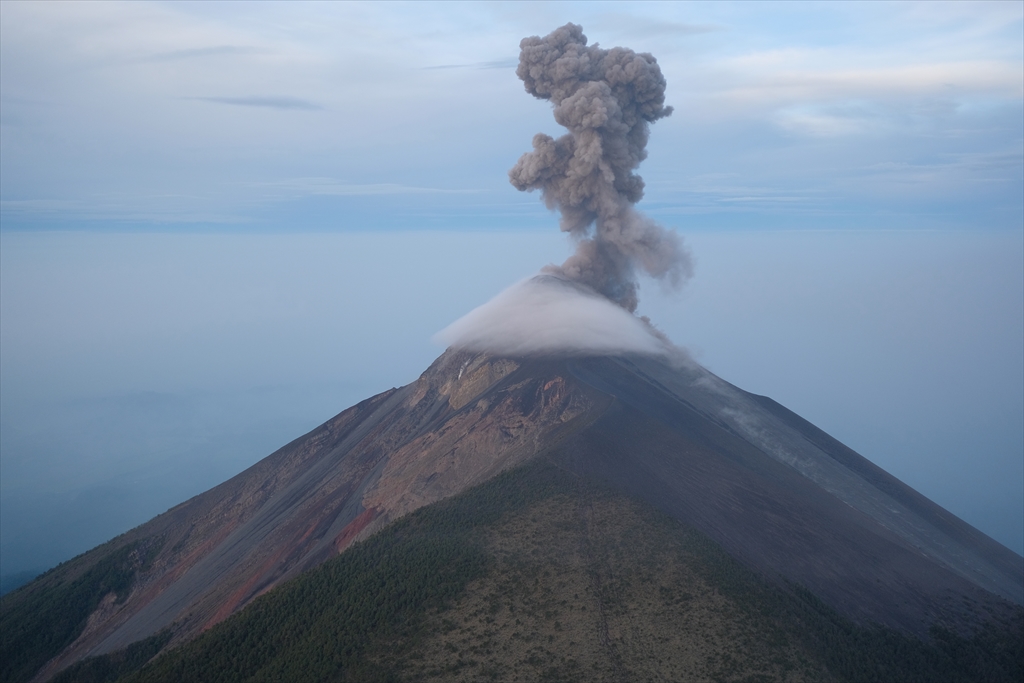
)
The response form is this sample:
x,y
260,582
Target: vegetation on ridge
x,y
36,625
109,668
326,624
537,575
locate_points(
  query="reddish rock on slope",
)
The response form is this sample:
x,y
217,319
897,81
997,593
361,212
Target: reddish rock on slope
x,y
777,493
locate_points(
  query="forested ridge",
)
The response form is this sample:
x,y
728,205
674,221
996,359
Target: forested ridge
x,y
37,624
538,575
324,624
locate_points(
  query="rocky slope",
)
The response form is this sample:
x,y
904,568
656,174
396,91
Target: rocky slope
x,y
781,496
542,574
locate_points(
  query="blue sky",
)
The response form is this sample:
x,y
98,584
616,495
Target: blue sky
x,y
335,116
221,223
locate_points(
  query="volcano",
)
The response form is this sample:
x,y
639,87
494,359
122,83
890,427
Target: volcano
x,y
782,498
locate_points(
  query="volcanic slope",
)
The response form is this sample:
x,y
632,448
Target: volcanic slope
x,y
779,495
540,574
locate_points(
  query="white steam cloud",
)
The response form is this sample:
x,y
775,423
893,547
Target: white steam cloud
x,y
551,315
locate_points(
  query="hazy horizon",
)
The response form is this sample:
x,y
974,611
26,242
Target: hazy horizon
x,y
222,224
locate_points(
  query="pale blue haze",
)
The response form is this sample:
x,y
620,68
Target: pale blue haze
x,y
222,223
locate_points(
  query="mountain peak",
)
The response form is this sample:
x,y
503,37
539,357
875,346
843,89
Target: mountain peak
x,y
779,495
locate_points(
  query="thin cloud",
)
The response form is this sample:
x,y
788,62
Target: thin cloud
x,y
831,121
643,27
721,191
333,187
763,198
549,315
773,77
162,209
509,63
268,101
29,217
200,52
955,173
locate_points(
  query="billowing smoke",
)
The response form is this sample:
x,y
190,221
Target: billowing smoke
x,y
548,314
606,98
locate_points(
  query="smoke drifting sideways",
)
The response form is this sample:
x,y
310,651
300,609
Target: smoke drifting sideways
x,y
551,315
607,99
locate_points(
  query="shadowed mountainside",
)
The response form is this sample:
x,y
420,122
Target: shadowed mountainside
x,y
541,574
776,493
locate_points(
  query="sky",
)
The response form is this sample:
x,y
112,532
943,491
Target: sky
x,y
223,223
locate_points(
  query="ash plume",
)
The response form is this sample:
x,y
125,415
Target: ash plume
x,y
606,98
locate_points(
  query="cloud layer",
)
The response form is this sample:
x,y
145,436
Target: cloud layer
x,y
550,315
872,111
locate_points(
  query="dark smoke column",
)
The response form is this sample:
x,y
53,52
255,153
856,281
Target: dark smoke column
x,y
606,98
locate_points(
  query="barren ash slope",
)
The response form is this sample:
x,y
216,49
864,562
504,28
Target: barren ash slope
x,y
373,546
